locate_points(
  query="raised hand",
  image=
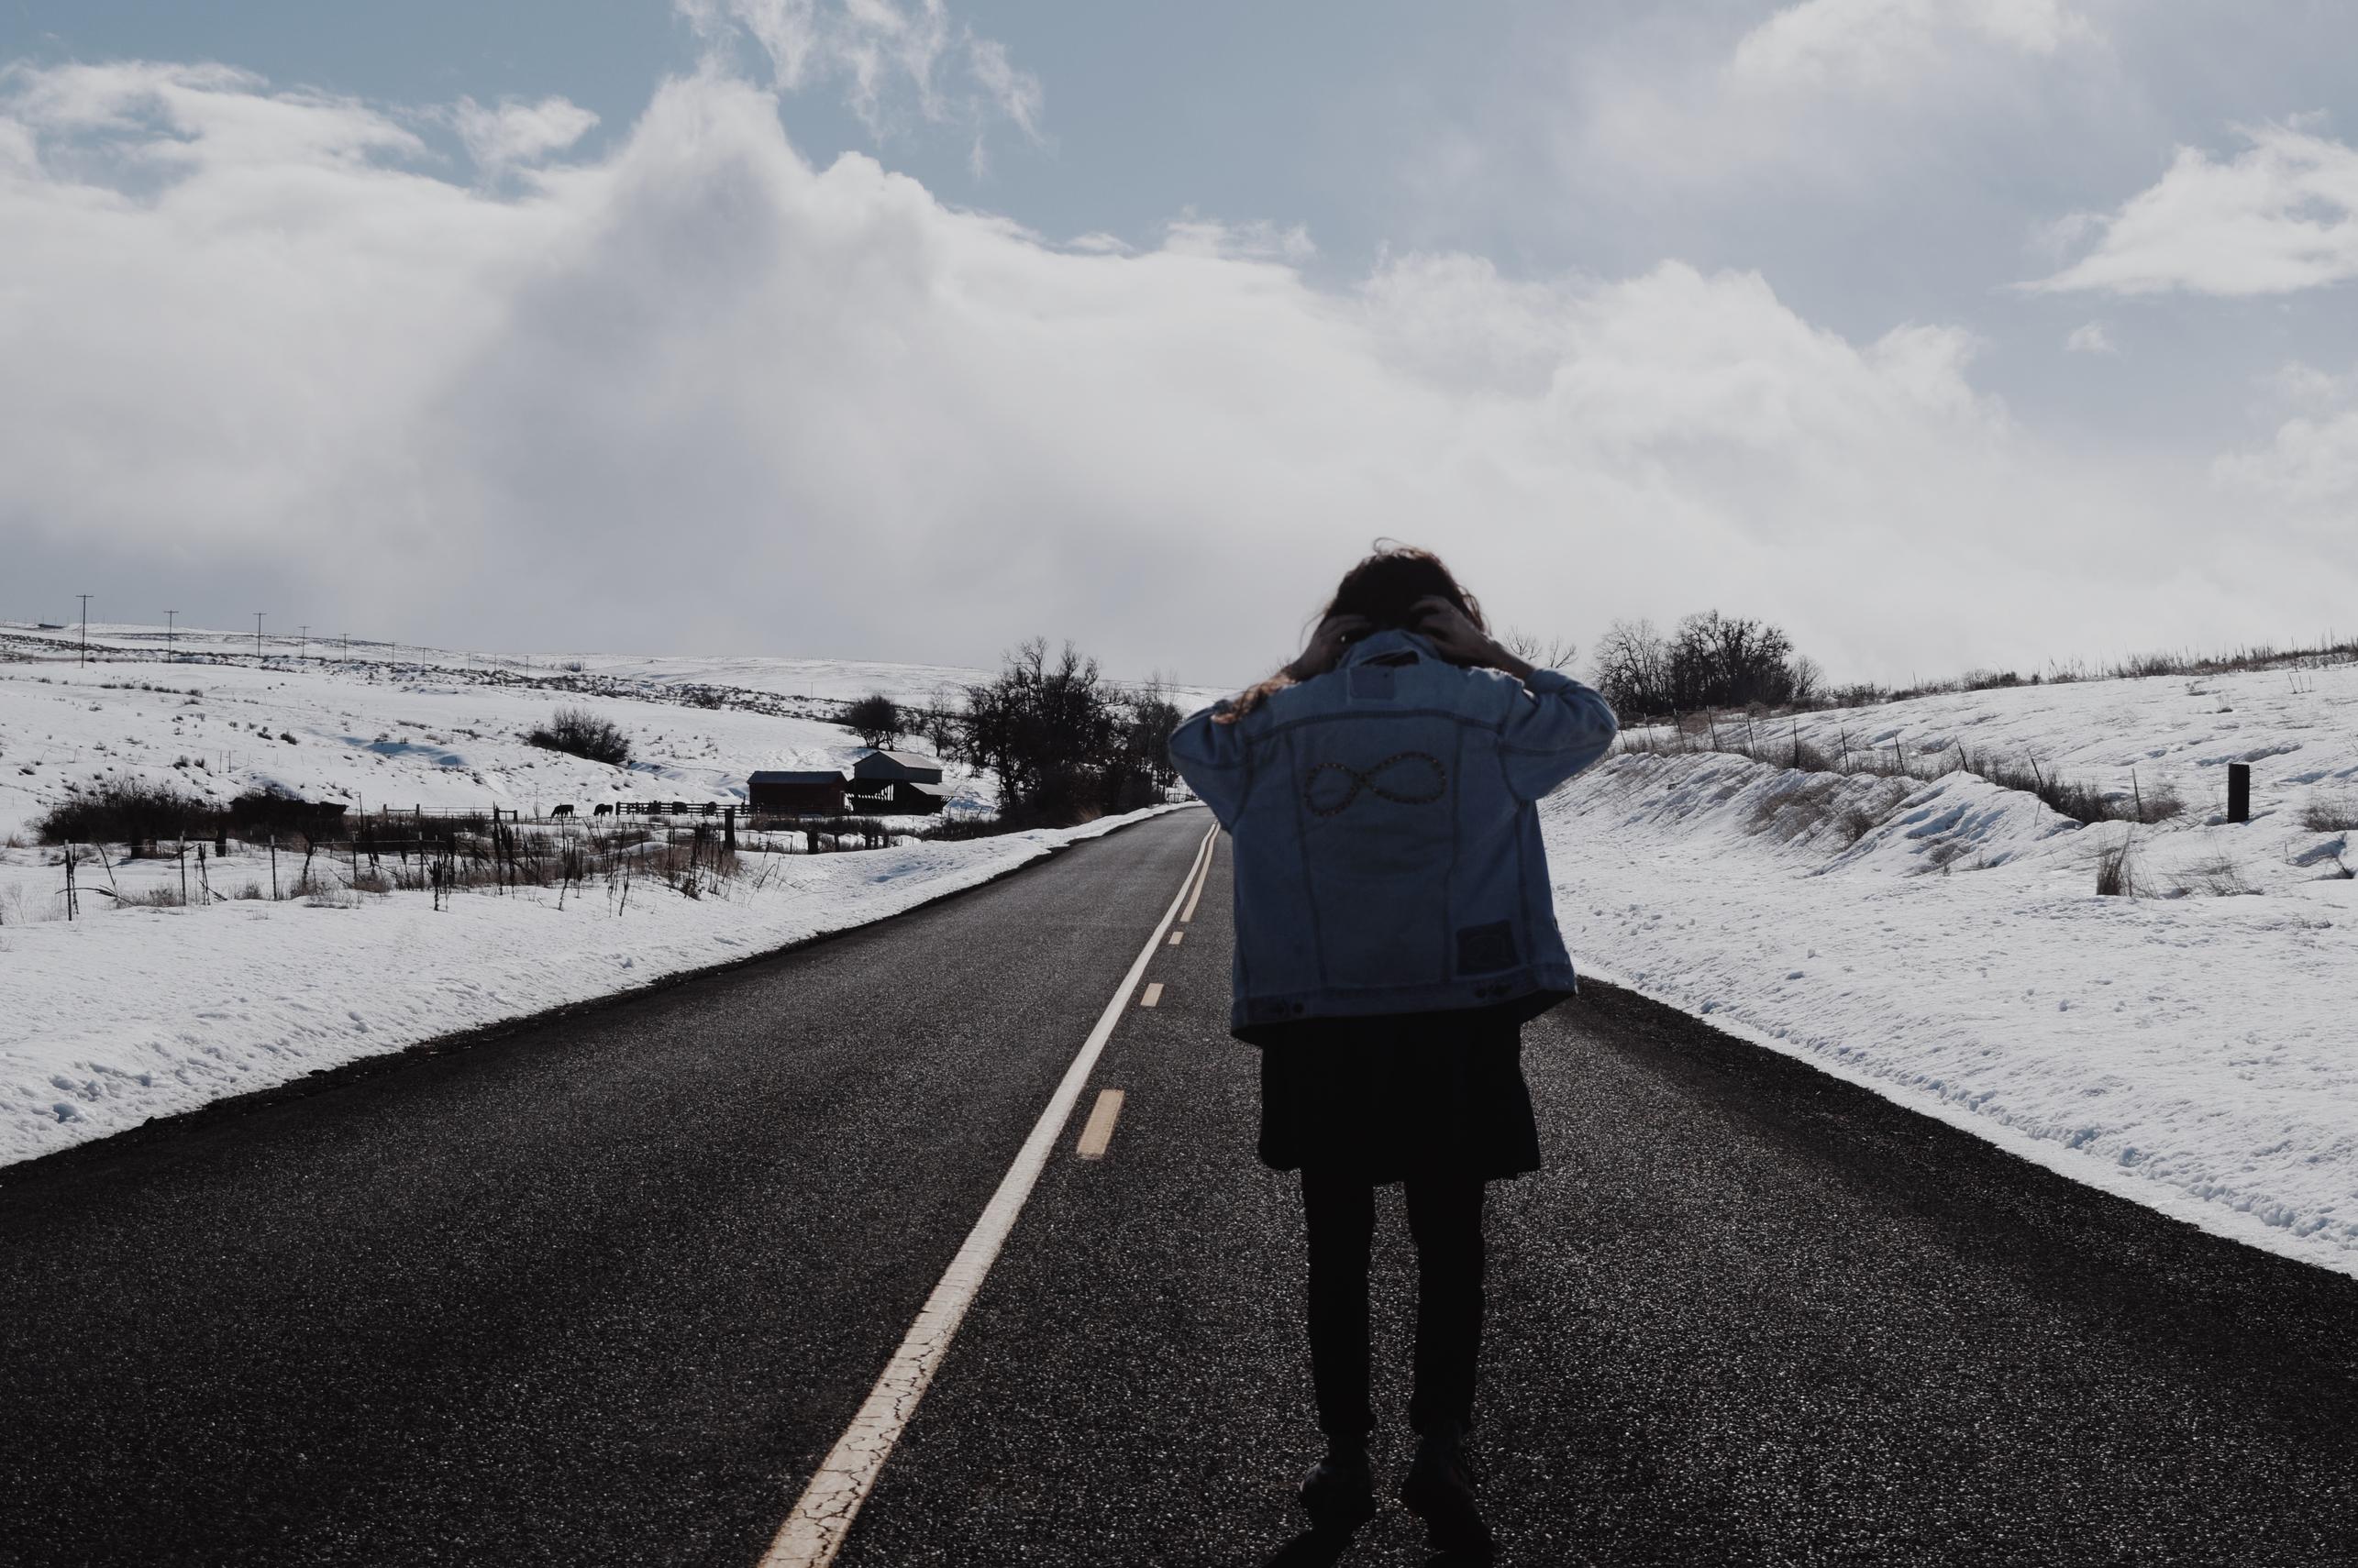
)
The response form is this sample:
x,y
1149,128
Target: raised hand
x,y
1326,646
1459,640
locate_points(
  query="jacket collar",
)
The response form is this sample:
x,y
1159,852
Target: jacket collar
x,y
1389,640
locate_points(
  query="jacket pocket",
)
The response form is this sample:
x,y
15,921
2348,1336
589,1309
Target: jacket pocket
x,y
1486,949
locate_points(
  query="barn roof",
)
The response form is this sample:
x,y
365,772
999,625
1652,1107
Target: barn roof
x,y
939,792
806,775
905,759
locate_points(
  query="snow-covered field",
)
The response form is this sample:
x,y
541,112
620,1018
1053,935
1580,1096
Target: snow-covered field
x,y
131,1012
2192,1049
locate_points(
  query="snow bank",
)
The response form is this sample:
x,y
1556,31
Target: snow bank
x,y
106,1021
1941,943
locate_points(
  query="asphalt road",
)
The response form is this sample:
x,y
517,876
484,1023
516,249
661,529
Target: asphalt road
x,y
605,1291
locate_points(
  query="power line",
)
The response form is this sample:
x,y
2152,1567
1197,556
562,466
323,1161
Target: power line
x,y
85,627
258,636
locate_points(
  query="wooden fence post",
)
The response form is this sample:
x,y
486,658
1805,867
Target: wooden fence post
x,y
2238,791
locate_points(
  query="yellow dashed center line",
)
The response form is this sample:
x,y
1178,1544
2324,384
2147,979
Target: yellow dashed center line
x,y
1154,995
1175,937
1099,1130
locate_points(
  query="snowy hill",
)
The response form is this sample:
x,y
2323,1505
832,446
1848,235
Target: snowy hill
x,y
1941,940
378,724
373,734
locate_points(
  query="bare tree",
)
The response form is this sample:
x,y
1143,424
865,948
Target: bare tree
x,y
942,721
876,719
1541,653
1046,725
1633,668
1729,661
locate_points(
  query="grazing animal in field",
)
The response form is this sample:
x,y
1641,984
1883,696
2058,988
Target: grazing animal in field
x,y
565,810
602,809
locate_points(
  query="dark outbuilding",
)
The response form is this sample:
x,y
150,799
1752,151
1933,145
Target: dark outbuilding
x,y
775,792
871,773
907,797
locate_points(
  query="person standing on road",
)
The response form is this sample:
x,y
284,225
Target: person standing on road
x,y
1395,930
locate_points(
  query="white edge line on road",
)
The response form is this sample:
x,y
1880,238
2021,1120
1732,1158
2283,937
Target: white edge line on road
x,y
814,1531
1201,876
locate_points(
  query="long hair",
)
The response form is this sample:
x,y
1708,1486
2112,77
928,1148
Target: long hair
x,y
1384,588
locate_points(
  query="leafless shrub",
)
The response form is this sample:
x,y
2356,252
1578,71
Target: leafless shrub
x,y
2330,812
124,810
582,733
1810,758
2157,804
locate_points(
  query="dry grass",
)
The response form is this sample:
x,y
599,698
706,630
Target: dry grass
x,y
2116,870
2330,811
2081,802
2219,878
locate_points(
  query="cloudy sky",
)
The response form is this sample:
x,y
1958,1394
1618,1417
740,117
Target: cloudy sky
x,y
1944,332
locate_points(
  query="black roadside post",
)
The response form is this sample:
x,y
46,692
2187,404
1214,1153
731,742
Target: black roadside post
x,y
2238,791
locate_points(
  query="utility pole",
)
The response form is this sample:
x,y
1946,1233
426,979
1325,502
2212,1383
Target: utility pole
x,y
258,636
171,656
85,627
348,648
302,640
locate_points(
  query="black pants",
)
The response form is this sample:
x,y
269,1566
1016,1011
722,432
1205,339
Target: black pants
x,y
1445,1215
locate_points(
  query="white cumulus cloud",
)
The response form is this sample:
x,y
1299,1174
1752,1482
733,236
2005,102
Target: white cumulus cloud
x,y
2279,217
2089,337
513,133
2312,461
883,53
1882,43
693,391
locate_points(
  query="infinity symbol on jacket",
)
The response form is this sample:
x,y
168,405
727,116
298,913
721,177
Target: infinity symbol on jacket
x,y
1405,777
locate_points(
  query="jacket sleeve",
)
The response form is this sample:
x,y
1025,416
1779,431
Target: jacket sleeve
x,y
1211,758
1554,727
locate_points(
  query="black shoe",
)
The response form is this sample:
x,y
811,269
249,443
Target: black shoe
x,y
1340,1493
1439,1490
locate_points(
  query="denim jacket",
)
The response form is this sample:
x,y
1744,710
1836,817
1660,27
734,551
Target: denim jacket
x,y
1385,823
